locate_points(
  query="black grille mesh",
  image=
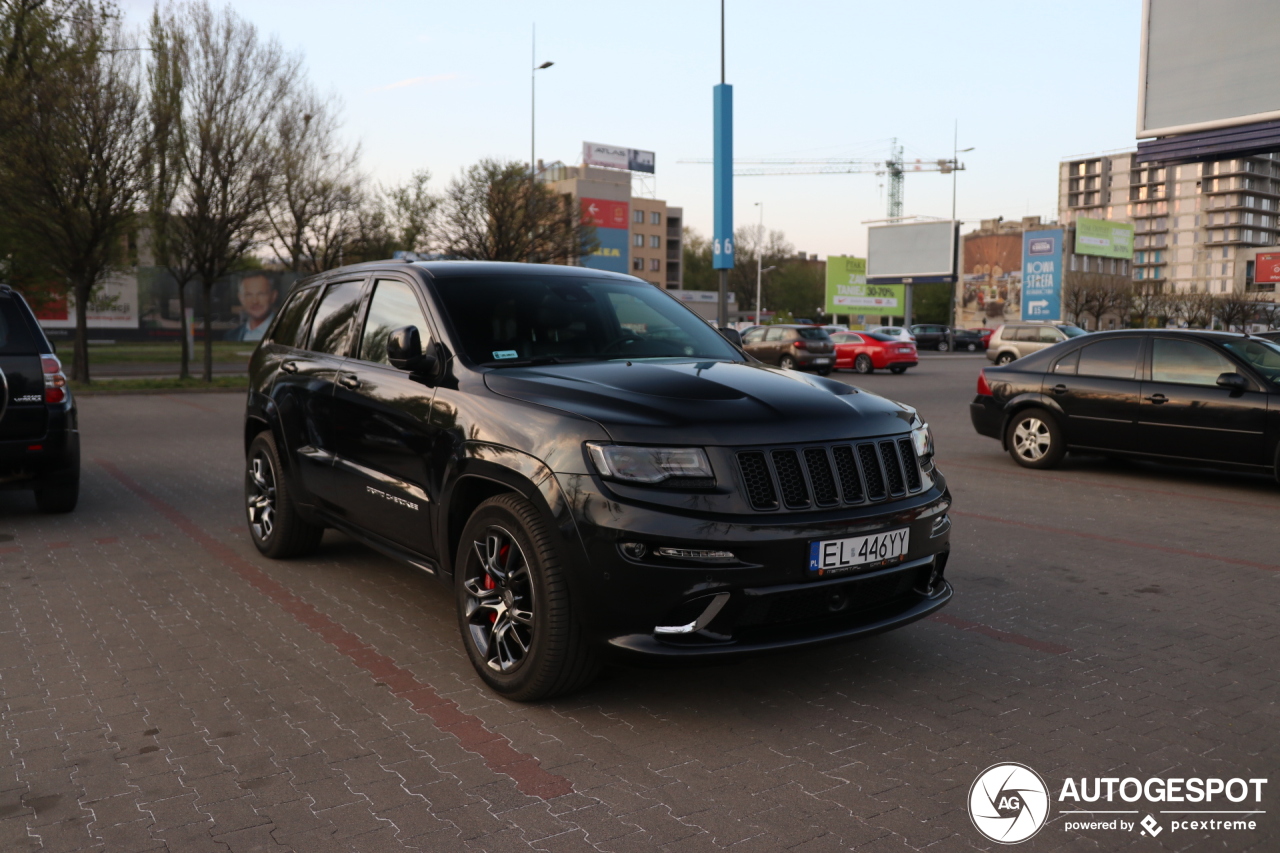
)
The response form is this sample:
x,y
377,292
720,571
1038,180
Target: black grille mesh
x,y
759,484
821,476
907,452
795,493
871,471
892,470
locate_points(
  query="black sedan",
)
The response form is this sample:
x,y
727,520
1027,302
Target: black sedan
x,y
1175,396
944,338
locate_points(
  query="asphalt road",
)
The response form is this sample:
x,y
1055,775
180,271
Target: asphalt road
x,y
164,687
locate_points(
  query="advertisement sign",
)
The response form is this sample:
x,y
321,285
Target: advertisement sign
x,y
603,213
1042,275
1104,239
849,293
918,252
722,240
611,254
614,157
114,305
1266,268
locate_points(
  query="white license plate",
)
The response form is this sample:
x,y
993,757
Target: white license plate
x,y
822,361
904,349
834,555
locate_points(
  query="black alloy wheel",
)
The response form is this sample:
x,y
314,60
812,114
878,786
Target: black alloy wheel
x,y
863,364
787,363
514,611
276,527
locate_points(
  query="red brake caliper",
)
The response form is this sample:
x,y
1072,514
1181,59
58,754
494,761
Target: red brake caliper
x,y
488,578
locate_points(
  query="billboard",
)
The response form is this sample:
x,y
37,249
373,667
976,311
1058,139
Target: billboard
x,y
1266,268
1042,275
605,213
1205,66
722,239
113,305
611,254
991,290
1103,238
849,293
912,252
613,157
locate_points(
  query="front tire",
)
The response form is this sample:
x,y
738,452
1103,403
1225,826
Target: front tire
x,y
514,609
943,346
276,527
863,364
972,347
787,363
1035,440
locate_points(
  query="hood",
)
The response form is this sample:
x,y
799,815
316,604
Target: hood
x,y
704,402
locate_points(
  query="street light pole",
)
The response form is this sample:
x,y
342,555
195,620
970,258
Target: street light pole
x,y
759,260
959,254
533,100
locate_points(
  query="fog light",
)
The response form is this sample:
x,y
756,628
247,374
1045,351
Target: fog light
x,y
633,550
941,525
698,554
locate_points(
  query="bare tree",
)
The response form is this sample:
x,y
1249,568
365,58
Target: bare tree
x,y
73,157
492,211
1148,303
1079,298
234,84
1197,309
1234,310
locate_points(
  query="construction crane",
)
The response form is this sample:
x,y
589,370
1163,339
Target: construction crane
x,y
895,167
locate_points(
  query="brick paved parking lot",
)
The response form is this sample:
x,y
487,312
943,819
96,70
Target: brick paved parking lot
x,y
165,687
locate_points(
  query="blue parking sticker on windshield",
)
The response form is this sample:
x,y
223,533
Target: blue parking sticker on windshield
x,y
505,353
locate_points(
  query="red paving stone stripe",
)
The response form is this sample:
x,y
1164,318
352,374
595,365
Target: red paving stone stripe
x,y
1003,636
1102,484
1128,543
472,735
10,549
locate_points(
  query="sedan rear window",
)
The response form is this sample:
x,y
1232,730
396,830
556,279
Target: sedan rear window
x,y
813,334
878,336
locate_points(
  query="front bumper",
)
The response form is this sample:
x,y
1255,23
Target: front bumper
x,y
766,599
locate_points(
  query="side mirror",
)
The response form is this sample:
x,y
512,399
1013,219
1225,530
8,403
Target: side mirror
x,y
1234,381
733,336
404,351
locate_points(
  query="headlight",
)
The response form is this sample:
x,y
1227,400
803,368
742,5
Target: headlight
x,y
922,441
649,464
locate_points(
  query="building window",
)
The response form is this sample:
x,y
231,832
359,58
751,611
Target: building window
x,y
637,263
655,264
655,218
655,242
637,240
638,217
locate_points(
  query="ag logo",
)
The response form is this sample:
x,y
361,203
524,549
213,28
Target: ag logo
x,y
1008,803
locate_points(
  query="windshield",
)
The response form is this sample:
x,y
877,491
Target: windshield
x,y
880,336
523,319
1262,355
1072,331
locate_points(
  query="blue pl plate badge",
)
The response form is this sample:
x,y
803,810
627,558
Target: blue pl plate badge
x,y
814,565
505,353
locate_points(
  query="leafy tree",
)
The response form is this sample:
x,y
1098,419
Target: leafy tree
x,y
696,256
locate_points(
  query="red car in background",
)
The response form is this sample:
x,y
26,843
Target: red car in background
x,y
986,336
868,351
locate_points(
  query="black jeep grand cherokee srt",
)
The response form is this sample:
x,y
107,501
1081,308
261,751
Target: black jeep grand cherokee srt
x,y
39,434
590,466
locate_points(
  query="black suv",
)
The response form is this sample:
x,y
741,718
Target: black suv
x,y
590,466
39,436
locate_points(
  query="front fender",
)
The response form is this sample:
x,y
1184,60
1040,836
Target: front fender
x,y
1027,400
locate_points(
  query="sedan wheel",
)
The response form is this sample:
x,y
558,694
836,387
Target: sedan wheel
x,y
863,364
1005,358
1034,439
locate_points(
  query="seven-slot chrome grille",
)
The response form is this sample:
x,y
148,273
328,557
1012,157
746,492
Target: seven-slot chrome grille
x,y
830,475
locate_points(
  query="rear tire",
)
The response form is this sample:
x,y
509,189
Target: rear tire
x,y
1035,440
276,527
824,371
517,619
972,347
58,499
863,364
787,363
1005,358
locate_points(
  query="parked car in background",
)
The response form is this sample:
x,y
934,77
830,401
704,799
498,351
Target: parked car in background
x,y
984,333
894,332
868,351
1165,394
1270,336
39,430
945,338
1016,340
792,346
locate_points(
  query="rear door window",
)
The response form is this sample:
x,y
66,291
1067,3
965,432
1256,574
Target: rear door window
x,y
1026,334
1116,358
290,331
331,327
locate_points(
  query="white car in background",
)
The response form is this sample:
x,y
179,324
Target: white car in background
x,y
895,332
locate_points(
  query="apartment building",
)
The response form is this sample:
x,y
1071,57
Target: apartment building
x,y
1195,225
656,242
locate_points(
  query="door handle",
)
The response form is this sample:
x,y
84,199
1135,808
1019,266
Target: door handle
x,y
289,367
1059,389
348,380
1158,399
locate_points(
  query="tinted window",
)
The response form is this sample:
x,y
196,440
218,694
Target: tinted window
x,y
1115,358
393,305
1187,362
508,319
288,329
1067,364
776,334
1049,335
15,334
813,334
331,326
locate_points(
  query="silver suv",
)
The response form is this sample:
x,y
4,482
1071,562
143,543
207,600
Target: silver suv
x,y
1014,340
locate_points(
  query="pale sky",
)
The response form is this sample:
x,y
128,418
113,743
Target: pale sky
x,y
439,85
